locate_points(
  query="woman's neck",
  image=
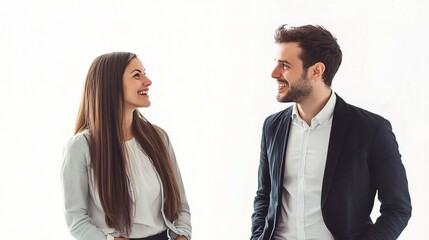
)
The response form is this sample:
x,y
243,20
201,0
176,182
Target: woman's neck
x,y
127,127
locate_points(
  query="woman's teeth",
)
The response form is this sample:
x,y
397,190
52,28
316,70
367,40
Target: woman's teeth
x,y
142,92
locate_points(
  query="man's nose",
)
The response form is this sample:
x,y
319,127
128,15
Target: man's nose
x,y
275,73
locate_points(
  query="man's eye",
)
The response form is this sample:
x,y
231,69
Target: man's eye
x,y
284,65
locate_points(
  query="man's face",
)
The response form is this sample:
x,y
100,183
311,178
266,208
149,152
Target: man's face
x,y
292,79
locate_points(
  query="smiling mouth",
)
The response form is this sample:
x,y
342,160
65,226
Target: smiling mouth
x,y
143,92
282,84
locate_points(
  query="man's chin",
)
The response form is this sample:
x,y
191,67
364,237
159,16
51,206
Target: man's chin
x,y
283,99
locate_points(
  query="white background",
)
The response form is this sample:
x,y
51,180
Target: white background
x,y
210,62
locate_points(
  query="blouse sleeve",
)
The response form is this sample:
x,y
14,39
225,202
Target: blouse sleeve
x,y
74,176
183,222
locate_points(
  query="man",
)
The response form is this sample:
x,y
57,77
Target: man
x,y
322,160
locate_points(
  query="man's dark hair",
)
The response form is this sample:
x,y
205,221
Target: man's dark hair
x,y
317,44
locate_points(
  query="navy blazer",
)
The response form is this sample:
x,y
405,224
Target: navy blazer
x,y
363,159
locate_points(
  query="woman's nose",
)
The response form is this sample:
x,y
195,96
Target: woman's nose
x,y
147,82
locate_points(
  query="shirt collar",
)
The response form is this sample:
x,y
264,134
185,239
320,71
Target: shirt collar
x,y
324,115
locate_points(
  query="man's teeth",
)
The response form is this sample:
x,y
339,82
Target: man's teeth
x,y
282,84
142,92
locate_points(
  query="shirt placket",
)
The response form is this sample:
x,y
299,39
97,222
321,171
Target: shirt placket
x,y
301,183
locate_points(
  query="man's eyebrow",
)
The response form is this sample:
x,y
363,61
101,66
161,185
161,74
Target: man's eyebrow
x,y
283,61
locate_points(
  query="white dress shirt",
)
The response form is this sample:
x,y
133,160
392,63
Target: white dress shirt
x,y
306,152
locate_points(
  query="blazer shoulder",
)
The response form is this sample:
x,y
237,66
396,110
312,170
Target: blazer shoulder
x,y
365,115
359,115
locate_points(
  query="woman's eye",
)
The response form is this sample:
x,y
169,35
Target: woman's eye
x,y
137,76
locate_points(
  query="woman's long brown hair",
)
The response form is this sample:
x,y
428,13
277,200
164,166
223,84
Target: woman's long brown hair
x,y
101,113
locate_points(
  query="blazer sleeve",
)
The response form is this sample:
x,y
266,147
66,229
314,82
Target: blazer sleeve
x,y
389,177
74,176
262,199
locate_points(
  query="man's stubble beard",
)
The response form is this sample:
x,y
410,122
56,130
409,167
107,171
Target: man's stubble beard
x,y
299,91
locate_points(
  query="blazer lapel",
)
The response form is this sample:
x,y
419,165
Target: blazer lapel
x,y
279,146
340,125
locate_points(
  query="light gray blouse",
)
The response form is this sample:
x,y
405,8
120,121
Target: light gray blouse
x,y
83,211
145,189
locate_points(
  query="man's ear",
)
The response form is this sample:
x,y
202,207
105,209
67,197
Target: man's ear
x,y
317,70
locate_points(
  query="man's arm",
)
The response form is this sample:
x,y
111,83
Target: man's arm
x,y
262,198
390,179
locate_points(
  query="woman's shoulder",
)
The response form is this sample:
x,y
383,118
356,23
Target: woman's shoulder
x,y
159,129
79,142
76,151
163,134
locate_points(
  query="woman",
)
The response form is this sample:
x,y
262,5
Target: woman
x,y
120,176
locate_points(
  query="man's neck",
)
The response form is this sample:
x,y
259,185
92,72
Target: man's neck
x,y
311,106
